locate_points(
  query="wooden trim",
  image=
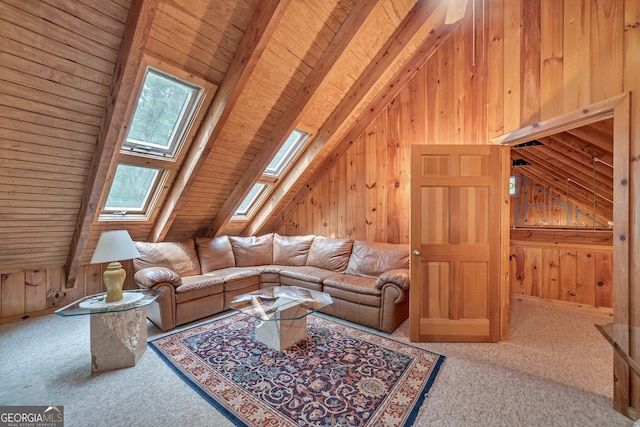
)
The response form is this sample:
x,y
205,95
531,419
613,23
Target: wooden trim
x,y
569,246
621,252
505,244
563,305
593,113
18,317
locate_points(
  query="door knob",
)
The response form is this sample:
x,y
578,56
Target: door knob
x,y
416,252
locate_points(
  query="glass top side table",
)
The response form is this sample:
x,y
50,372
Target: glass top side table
x,y
118,329
95,304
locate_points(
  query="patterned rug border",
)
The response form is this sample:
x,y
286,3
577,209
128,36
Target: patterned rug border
x,y
423,394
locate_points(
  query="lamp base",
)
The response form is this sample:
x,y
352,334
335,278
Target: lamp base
x,y
113,278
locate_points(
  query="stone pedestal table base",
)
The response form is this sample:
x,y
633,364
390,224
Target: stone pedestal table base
x,y
118,339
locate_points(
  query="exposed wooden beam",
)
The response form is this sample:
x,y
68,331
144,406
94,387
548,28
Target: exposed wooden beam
x,y
554,173
594,136
263,24
136,33
427,14
581,158
573,170
294,111
588,150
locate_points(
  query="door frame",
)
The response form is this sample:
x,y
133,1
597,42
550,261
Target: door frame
x,y
617,108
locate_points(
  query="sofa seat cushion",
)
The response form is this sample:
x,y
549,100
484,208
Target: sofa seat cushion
x,y
194,287
357,289
233,273
269,275
236,278
306,273
268,269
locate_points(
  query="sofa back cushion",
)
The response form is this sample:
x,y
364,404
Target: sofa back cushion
x,y
370,259
291,250
330,253
215,253
180,257
252,250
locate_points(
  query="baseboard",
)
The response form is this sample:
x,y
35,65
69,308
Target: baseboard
x,y
564,305
17,318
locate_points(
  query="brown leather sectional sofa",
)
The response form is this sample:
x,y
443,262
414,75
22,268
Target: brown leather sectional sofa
x,y
369,282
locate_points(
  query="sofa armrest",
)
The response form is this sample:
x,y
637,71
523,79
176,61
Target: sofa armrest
x,y
399,277
151,276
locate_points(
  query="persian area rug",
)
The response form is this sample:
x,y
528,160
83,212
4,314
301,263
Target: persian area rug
x,y
338,376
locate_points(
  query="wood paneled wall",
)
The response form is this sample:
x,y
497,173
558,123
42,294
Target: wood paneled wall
x,y
30,292
575,273
364,193
536,59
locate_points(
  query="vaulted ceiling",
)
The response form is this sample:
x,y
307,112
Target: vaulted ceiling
x,y
69,73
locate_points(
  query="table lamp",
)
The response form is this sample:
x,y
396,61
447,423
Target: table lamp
x,y
114,246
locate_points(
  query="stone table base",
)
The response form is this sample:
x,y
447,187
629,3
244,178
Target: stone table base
x,y
118,339
285,329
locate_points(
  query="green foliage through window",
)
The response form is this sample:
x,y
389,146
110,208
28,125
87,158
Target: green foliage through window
x,y
164,110
131,188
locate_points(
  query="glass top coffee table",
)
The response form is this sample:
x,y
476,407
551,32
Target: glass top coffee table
x,y
283,312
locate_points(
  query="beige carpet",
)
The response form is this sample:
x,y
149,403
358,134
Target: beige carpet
x,y
555,371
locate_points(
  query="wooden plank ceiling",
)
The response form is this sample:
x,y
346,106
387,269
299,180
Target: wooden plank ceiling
x,y
68,69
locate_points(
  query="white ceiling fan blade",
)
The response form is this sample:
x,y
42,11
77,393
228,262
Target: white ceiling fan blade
x,y
456,11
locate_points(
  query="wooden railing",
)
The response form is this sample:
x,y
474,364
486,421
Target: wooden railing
x,y
563,264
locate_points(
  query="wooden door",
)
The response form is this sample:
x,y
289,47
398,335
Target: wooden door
x,y
456,216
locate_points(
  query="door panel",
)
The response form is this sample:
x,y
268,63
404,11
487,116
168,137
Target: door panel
x,y
455,239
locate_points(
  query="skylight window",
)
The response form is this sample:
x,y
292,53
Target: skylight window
x,y
276,168
131,189
164,110
168,105
287,152
252,198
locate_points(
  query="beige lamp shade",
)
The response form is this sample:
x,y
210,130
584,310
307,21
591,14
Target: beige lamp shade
x,y
114,245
